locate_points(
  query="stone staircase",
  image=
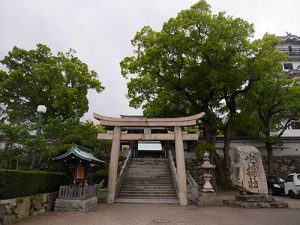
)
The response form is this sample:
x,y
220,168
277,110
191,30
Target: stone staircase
x,y
148,180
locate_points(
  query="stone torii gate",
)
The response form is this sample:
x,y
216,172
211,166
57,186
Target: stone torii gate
x,y
147,124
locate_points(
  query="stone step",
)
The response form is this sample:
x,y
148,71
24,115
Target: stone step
x,y
147,169
147,200
131,190
170,184
151,178
147,183
154,188
141,168
137,195
148,186
148,180
148,165
150,160
147,193
146,174
130,185
161,190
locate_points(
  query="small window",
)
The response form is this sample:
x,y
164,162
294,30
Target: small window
x,y
290,48
289,179
288,66
298,177
296,125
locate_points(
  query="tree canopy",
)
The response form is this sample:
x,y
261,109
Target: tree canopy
x,y
186,65
61,83
37,77
199,62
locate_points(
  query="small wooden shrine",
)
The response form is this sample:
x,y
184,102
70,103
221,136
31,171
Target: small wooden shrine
x,y
79,158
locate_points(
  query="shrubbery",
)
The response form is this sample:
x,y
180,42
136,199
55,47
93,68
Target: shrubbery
x,y
202,148
101,174
15,183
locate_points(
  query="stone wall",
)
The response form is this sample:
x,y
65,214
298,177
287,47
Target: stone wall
x,y
12,210
101,194
284,165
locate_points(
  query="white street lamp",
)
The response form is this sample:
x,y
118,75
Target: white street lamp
x,y
41,109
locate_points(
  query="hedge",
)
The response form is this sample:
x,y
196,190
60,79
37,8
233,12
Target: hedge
x,y
16,183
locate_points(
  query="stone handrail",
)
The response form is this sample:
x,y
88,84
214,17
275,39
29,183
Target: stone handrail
x,y
77,192
173,171
192,186
123,172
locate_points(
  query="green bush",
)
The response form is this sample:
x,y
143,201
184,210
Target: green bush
x,y
72,138
101,174
122,158
202,148
62,149
15,183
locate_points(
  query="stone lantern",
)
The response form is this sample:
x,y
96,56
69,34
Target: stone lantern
x,y
207,195
208,167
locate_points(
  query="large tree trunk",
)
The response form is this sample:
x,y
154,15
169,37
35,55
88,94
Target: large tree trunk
x,y
227,140
210,133
270,157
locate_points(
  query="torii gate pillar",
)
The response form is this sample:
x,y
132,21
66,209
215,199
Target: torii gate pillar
x,y
113,166
180,162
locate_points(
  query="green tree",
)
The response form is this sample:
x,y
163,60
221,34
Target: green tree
x,y
63,134
170,64
198,62
269,109
37,77
14,137
262,63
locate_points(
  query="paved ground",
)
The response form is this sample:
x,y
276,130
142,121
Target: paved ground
x,y
293,203
151,214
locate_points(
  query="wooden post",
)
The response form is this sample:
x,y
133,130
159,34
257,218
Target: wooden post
x,y
181,174
113,166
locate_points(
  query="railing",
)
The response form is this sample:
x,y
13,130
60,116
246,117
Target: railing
x,y
173,171
192,186
77,192
123,172
290,51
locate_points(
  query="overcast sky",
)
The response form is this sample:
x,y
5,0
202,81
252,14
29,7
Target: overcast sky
x,y
100,31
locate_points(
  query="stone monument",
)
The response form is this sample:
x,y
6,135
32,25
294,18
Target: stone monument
x,y
248,176
247,171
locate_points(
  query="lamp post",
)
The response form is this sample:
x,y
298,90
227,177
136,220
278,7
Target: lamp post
x,y
41,109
